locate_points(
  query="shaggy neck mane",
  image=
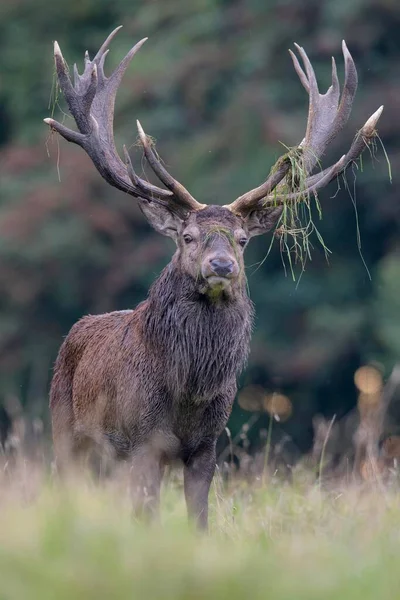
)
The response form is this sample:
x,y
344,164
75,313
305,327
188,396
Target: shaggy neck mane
x,y
205,344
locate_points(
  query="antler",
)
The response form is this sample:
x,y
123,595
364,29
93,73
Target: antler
x,y
328,114
91,102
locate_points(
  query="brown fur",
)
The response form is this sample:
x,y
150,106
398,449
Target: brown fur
x,y
157,383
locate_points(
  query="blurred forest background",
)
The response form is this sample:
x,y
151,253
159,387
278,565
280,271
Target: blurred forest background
x,y
216,87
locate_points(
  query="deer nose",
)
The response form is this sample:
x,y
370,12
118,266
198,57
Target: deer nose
x,y
221,266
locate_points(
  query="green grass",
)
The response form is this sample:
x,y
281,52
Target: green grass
x,y
266,541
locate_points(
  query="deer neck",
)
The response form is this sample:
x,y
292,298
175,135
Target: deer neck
x,y
204,344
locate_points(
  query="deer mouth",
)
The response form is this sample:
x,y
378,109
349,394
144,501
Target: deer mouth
x,y
216,285
218,280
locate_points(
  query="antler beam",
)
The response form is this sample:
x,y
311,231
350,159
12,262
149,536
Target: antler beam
x,y
328,114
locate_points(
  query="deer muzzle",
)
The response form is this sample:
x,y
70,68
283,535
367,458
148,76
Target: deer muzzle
x,y
219,269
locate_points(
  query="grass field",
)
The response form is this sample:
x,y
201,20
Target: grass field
x,y
266,541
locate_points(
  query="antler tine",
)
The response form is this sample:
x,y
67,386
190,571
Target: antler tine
x,y
104,47
177,188
349,90
360,142
144,186
328,114
91,102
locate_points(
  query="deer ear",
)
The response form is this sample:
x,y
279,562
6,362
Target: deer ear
x,y
261,221
161,218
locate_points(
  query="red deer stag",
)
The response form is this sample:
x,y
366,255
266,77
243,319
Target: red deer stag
x,y
157,383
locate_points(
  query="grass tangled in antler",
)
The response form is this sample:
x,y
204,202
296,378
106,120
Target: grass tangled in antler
x,y
296,227
296,224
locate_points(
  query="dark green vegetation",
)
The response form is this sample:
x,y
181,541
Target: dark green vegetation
x,y
216,87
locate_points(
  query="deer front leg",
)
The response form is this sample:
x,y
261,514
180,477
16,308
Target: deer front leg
x,y
147,472
198,473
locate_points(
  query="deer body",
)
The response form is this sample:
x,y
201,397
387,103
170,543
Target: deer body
x,y
161,367
157,383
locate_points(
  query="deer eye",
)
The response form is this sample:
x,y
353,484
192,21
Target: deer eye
x,y
187,238
243,242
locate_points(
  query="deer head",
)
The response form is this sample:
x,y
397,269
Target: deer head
x,y
210,240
